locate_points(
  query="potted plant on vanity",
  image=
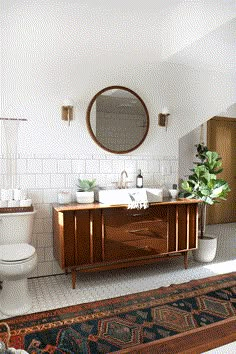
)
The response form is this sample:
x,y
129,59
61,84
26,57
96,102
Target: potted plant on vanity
x,y
204,185
85,191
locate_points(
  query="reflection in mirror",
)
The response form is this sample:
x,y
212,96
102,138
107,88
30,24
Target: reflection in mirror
x,y
117,119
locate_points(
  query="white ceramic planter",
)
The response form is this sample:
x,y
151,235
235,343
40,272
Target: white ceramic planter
x,y
85,197
206,249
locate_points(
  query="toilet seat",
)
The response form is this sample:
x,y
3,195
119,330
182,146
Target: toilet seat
x,y
16,253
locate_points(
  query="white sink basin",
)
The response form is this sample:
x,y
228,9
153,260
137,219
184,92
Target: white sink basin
x,y
126,196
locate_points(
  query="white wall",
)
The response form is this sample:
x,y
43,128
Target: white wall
x,y
58,49
188,151
52,50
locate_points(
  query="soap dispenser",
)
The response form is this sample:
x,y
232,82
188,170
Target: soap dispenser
x,y
139,180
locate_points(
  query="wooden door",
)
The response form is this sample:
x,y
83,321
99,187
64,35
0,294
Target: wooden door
x,y
221,137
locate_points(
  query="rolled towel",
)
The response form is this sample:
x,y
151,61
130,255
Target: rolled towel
x,y
138,200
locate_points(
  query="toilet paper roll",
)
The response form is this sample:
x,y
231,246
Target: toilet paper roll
x,y
17,194
25,202
13,203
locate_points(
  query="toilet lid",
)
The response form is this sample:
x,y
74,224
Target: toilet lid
x,y
16,252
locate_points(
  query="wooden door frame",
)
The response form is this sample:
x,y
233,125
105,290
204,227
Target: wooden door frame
x,y
220,119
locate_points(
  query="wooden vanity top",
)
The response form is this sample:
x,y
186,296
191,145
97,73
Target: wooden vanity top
x,y
97,205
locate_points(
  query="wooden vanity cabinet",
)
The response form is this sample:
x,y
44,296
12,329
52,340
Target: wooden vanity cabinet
x,y
93,237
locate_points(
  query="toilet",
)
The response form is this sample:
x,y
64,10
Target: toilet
x,y
18,259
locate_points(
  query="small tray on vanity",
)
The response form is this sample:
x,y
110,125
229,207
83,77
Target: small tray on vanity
x,y
16,209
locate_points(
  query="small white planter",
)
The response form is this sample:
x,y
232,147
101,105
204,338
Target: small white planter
x,y
85,197
206,249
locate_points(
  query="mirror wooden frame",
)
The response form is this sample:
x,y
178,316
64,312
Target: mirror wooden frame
x,y
90,127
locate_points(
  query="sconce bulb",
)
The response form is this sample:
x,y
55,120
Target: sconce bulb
x,y
165,110
68,102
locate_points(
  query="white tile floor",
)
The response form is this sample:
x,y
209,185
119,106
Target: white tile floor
x,y
55,291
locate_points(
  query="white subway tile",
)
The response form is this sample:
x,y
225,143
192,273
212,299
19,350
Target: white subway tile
x,y
142,165
174,167
36,195
50,195
3,166
106,166
148,179
58,180
158,180
165,169
21,166
49,166
131,166
153,165
43,181
64,166
78,166
34,240
71,181
27,181
47,225
48,254
56,268
43,210
34,274
40,254
118,166
101,179
92,166
34,166
38,226
112,179
86,176
44,240
45,268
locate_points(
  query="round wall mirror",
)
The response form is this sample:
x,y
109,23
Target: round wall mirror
x,y
117,119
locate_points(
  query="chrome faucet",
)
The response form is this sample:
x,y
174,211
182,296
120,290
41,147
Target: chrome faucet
x,y
123,180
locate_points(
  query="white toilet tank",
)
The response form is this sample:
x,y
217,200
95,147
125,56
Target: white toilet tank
x,y
16,227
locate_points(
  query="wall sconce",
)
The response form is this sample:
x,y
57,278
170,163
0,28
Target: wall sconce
x,y
163,117
67,110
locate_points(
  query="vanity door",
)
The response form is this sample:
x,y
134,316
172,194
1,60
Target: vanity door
x,y
77,236
131,233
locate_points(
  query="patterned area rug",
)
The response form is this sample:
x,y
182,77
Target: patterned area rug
x,y
125,322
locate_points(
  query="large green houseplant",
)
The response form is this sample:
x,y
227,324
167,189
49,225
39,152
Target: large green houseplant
x,y
203,183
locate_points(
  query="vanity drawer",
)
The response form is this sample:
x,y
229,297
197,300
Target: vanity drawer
x,y
115,250
125,224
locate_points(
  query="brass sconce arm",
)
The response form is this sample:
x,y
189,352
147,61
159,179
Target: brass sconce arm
x,y
163,119
67,111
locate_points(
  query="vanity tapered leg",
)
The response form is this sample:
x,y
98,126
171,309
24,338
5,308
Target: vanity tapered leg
x,y
73,278
185,254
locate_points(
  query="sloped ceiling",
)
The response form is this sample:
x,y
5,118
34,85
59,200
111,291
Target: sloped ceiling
x,y
214,51
185,31
197,33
